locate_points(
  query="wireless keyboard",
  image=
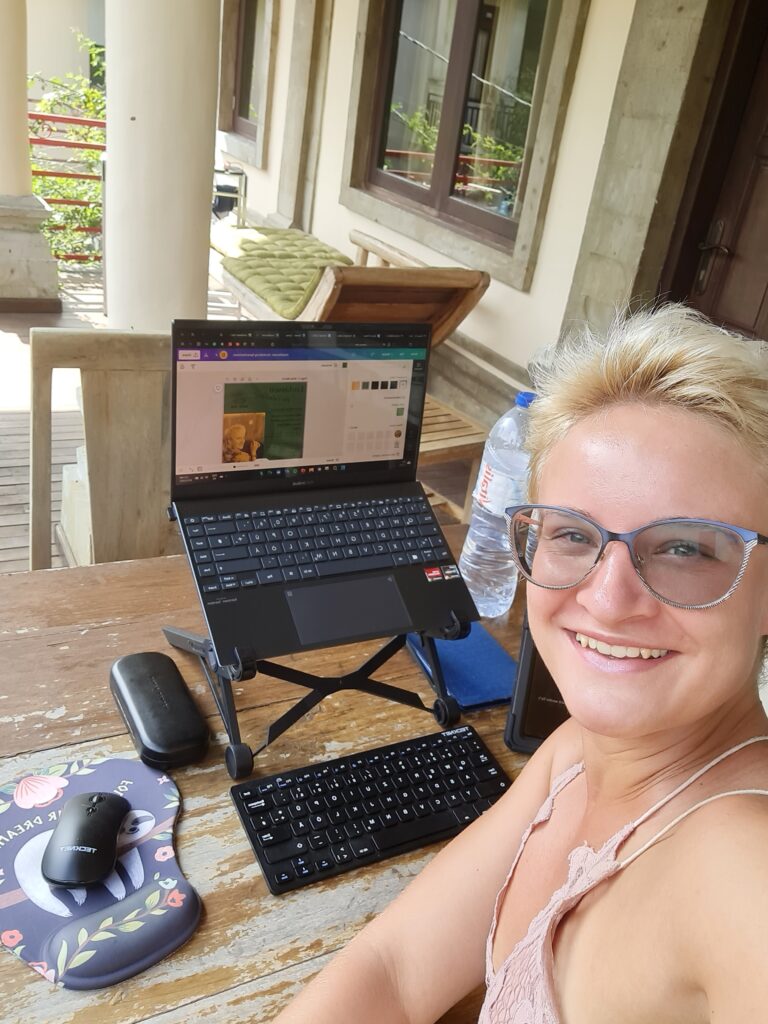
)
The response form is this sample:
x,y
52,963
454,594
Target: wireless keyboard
x,y
316,822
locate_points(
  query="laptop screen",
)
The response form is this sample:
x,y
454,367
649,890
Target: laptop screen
x,y
263,407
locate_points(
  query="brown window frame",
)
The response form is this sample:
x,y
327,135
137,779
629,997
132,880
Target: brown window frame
x,y
438,199
242,125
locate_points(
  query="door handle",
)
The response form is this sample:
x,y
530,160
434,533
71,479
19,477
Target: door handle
x,y
721,250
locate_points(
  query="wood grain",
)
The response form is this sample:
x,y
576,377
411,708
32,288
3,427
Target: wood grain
x,y
60,631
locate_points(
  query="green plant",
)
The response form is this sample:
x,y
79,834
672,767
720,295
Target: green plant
x,y
424,134
74,95
483,157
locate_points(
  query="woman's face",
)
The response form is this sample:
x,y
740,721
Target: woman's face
x,y
624,468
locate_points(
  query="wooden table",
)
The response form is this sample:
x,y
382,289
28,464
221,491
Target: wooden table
x,y
60,630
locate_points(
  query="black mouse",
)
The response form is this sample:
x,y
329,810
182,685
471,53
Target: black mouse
x,y
83,847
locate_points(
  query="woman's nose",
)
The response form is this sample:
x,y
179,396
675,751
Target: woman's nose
x,y
613,590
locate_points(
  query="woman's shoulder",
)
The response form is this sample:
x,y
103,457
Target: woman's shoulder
x,y
561,751
727,830
721,871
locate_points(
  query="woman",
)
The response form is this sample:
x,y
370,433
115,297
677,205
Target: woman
x,y
629,857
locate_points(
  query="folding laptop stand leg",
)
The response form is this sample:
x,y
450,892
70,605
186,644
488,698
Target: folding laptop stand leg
x,y
239,756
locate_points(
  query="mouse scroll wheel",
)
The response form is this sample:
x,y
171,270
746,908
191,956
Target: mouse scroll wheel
x,y
96,798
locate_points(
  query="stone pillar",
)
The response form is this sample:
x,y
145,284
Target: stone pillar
x,y
162,76
28,272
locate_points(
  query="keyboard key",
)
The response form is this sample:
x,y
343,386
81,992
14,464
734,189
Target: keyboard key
x,y
270,576
409,832
355,565
278,834
284,851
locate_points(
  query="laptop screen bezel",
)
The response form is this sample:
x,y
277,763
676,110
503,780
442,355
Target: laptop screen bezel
x,y
388,472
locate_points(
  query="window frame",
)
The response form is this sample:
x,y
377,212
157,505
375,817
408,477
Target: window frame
x,y
508,258
439,197
245,139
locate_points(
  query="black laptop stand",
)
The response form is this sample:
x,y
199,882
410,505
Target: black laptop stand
x,y
239,756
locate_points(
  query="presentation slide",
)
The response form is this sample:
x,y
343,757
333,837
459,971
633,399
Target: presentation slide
x,y
289,413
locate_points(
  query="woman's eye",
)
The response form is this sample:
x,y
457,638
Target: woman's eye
x,y
684,549
569,536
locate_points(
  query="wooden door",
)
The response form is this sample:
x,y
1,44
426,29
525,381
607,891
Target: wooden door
x,y
730,284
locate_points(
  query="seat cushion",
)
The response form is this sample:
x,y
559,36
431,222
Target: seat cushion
x,y
284,268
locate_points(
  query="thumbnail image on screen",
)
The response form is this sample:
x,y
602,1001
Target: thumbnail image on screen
x,y
263,421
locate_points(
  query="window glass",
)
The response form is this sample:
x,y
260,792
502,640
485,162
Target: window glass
x,y
498,105
458,104
412,118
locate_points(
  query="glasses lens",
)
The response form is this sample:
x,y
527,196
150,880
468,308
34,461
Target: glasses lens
x,y
554,548
689,562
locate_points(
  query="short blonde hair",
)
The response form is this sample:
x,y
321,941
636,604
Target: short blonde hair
x,y
670,356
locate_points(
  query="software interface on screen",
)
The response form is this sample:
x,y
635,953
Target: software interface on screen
x,y
319,401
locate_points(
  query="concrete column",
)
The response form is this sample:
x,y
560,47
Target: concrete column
x,y
28,272
162,76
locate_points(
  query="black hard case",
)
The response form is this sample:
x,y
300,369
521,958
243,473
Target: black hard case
x,y
165,725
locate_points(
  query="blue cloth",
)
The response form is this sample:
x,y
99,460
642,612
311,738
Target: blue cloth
x,y
477,670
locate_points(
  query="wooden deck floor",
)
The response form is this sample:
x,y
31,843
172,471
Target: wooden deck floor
x,y
84,307
14,480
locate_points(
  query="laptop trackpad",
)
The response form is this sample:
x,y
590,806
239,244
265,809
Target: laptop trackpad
x,y
341,611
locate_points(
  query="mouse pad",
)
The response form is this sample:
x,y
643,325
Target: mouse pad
x,y
96,936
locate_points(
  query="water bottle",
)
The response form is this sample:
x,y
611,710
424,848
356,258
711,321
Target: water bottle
x,y
486,561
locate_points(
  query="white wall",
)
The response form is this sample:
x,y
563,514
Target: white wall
x,y
508,321
52,46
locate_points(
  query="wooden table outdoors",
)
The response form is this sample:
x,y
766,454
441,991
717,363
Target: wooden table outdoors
x,y
60,630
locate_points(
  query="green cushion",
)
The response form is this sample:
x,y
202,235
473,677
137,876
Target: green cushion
x,y
283,270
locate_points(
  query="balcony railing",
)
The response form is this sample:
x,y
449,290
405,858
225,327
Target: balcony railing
x,y
72,134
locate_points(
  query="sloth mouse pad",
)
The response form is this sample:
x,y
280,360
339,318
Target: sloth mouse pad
x,y
91,937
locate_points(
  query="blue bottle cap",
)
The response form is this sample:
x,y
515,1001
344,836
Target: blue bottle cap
x,y
524,398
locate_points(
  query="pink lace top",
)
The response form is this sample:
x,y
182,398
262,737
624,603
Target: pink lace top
x,y
522,991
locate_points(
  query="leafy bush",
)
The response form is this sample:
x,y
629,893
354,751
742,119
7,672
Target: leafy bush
x,y
72,96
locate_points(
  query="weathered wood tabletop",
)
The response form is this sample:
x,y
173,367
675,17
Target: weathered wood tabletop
x,y
60,630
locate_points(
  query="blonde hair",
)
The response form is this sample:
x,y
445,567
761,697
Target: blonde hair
x,y
671,356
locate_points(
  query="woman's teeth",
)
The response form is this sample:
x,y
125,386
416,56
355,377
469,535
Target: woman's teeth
x,y
614,651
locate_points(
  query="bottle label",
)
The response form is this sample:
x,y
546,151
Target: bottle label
x,y
496,491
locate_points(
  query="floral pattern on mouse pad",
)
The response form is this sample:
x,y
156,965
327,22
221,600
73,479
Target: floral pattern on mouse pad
x,y
91,937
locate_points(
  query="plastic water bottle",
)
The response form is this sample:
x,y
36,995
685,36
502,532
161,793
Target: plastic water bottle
x,y
486,561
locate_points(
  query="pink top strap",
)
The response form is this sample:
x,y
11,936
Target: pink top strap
x,y
522,990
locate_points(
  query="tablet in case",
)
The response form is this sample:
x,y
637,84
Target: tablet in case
x,y
537,708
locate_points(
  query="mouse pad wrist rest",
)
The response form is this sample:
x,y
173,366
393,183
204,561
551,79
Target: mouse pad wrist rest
x,y
91,937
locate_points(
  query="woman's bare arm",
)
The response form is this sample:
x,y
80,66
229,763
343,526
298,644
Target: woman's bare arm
x,y
729,909
426,950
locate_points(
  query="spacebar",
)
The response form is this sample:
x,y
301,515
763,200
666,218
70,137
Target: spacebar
x,y
354,565
421,828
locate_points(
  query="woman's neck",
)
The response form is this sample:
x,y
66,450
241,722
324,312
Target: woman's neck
x,y
621,771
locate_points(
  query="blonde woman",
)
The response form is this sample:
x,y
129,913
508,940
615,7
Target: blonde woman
x,y
623,879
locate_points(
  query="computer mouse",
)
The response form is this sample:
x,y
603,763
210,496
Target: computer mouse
x,y
83,847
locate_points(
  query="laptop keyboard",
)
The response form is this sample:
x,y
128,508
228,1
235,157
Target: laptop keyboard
x,y
249,549
315,822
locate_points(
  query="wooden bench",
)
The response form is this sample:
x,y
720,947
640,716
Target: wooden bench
x,y
449,436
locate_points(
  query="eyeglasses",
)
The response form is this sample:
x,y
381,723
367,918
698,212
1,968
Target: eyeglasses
x,y
687,563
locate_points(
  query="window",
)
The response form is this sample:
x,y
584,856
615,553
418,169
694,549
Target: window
x,y
251,73
454,104
249,29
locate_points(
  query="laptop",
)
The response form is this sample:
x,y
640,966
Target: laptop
x,y
294,451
